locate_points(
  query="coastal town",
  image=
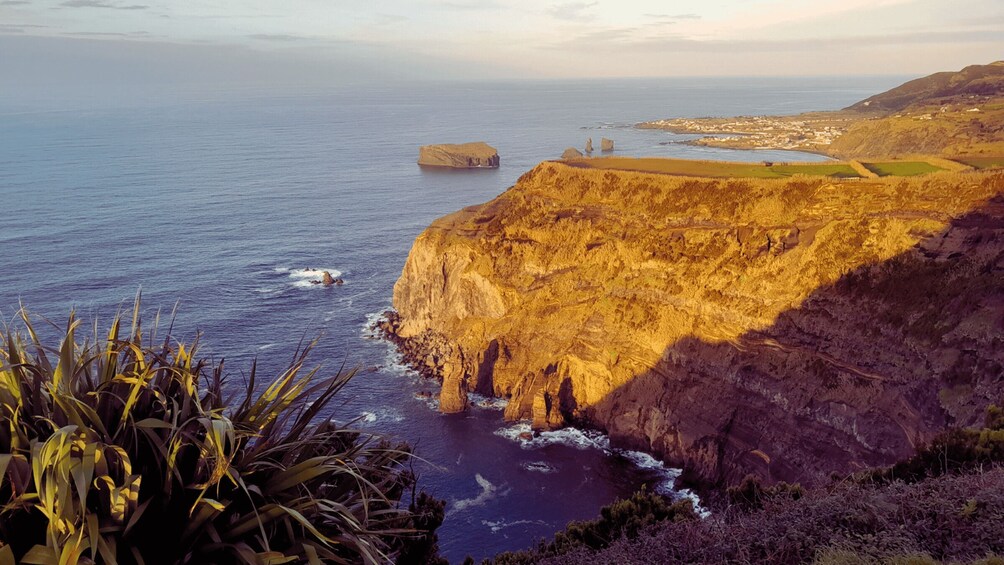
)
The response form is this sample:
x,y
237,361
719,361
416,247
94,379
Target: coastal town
x,y
804,132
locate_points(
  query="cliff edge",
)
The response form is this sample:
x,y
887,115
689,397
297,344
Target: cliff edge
x,y
786,328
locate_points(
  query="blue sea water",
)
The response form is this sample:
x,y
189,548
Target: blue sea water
x,y
221,203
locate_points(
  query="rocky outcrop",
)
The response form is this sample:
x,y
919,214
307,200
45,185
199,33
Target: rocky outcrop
x,y
328,280
787,328
589,145
606,145
478,155
571,153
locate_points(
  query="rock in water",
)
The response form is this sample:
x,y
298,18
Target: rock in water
x,y
327,279
453,397
589,145
606,144
477,155
571,153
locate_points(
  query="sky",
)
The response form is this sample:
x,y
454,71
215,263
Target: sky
x,y
315,41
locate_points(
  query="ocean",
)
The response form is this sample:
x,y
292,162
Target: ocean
x,y
227,205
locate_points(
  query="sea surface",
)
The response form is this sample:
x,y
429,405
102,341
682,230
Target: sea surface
x,y
227,204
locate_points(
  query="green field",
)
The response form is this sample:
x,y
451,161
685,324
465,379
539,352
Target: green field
x,y
982,162
901,168
714,168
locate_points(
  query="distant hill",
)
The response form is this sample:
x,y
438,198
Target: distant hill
x,y
977,80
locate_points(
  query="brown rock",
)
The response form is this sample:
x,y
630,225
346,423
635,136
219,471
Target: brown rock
x,y
786,328
453,396
589,145
606,145
477,155
571,153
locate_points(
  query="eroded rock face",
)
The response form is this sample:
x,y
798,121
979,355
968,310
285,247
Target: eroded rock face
x,y
788,329
571,153
606,144
478,155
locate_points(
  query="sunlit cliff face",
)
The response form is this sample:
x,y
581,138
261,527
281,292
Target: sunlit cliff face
x,y
631,301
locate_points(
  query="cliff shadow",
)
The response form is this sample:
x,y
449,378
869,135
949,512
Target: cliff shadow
x,y
861,372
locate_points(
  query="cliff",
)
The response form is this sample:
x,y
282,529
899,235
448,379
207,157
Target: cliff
x,y
477,155
787,328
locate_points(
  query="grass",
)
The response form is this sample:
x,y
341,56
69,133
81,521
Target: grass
x,y
720,169
123,449
902,168
982,162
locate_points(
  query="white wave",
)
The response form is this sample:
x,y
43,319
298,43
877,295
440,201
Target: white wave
x,y
381,415
488,491
591,439
571,437
302,277
487,402
539,467
501,524
370,322
310,273
267,346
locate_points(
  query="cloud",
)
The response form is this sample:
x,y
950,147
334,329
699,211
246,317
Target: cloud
x,y
100,4
630,40
134,34
572,11
18,28
278,37
14,2
471,6
673,17
390,19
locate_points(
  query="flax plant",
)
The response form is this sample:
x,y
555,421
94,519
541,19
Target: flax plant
x,y
116,451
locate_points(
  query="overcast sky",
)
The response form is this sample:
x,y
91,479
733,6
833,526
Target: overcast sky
x,y
317,39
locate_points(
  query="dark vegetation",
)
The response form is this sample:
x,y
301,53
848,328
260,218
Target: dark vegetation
x,y
944,504
622,519
123,449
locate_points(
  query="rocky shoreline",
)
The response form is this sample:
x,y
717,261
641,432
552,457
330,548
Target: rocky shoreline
x,y
429,355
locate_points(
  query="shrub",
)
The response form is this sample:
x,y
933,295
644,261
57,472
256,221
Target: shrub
x,y
621,519
112,450
750,494
952,451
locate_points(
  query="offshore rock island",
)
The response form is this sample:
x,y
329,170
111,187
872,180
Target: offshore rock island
x,y
476,155
788,322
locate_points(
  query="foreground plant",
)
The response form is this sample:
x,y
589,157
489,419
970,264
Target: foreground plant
x,y
113,451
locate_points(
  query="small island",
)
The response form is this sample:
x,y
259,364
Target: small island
x,y
476,155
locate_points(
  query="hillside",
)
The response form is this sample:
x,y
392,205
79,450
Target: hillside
x,y
949,114
974,81
705,320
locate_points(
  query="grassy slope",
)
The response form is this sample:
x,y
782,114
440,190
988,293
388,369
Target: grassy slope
x,y
714,169
902,168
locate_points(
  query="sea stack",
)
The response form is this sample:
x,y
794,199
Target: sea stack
x,y
589,145
571,153
476,155
606,145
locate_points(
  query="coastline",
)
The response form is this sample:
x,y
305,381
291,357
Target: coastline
x,y
677,483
